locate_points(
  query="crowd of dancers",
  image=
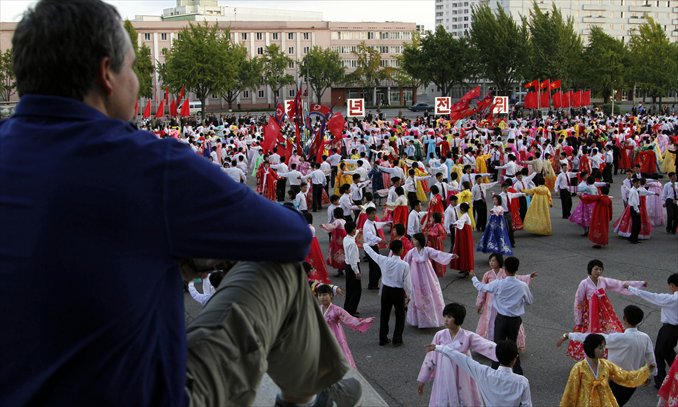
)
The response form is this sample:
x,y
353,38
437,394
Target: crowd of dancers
x,y
400,189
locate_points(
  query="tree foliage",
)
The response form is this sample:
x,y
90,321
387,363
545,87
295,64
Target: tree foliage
x,y
322,68
241,74
143,66
368,73
605,60
7,82
654,59
498,43
275,68
555,48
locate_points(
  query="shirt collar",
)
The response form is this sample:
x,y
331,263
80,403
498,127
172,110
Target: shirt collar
x,y
505,369
631,330
56,106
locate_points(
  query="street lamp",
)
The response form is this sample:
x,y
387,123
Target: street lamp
x,y
614,93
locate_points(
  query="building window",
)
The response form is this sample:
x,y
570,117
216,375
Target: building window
x,y
163,36
243,36
370,35
383,50
260,36
261,94
306,49
291,93
290,50
147,36
275,36
260,51
307,36
246,94
290,36
290,65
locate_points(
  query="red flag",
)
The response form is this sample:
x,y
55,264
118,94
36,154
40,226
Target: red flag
x,y
567,99
545,84
557,99
323,110
161,109
185,109
336,125
530,101
586,98
271,133
173,108
279,113
147,110
471,94
181,93
576,99
545,101
166,94
555,85
136,108
299,119
532,84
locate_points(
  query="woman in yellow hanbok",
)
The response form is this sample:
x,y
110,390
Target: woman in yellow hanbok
x,y
589,381
422,186
481,166
549,174
538,216
341,178
467,196
459,169
669,160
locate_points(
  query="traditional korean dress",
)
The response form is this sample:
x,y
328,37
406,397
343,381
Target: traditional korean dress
x,y
426,305
538,216
463,245
435,238
495,239
467,196
622,226
336,256
593,311
336,317
452,386
317,261
668,393
600,220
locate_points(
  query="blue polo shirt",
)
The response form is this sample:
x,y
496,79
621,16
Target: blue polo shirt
x,y
94,215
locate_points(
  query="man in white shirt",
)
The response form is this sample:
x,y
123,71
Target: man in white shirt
x,y
510,298
630,350
371,238
414,219
450,216
361,170
235,173
281,185
274,158
293,176
334,160
300,198
318,180
667,338
326,168
670,198
352,259
626,185
562,186
634,203
395,293
499,387
608,158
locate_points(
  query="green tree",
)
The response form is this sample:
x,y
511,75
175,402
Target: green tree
x,y
411,71
498,43
605,60
555,48
369,73
275,65
196,61
241,73
143,66
322,67
441,59
7,83
654,62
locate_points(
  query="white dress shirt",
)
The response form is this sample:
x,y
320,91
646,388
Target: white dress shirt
x,y
326,168
450,216
510,295
634,199
670,191
630,350
393,172
207,291
370,236
334,159
394,271
294,177
346,204
413,223
498,388
479,191
317,177
667,302
351,255
300,201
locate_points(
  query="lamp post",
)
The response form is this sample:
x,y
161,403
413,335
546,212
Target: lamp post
x,y
614,92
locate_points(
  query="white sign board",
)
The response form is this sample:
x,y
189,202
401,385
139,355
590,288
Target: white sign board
x,y
501,105
288,106
443,105
355,107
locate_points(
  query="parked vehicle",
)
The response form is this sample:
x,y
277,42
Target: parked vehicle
x,y
421,107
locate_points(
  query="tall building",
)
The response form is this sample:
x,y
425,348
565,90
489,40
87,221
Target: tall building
x,y
619,18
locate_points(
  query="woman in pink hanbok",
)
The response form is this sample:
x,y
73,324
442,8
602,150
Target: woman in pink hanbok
x,y
452,386
593,311
654,204
336,317
426,305
484,306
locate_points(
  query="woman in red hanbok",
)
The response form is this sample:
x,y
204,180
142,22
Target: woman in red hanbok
x,y
435,206
336,256
625,156
514,208
270,182
315,258
622,226
668,393
600,220
436,239
463,243
593,312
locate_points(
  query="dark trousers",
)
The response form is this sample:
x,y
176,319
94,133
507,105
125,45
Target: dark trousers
x,y
356,212
566,202
607,173
507,328
295,188
635,225
354,289
317,197
411,197
334,175
480,209
523,207
621,393
375,271
392,297
509,226
663,350
671,216
327,185
280,190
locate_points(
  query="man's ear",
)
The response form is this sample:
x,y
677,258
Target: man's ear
x,y
104,74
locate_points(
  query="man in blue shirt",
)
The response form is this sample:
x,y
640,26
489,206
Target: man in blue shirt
x,y
96,217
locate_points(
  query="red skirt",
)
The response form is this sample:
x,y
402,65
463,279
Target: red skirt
x,y
400,215
336,257
607,322
464,248
315,259
668,393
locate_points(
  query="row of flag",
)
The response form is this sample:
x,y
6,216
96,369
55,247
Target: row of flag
x,y
541,96
173,106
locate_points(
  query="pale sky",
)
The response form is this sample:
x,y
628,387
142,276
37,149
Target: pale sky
x,y
417,11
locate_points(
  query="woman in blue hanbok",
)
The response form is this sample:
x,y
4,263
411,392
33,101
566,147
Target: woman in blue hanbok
x,y
495,239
